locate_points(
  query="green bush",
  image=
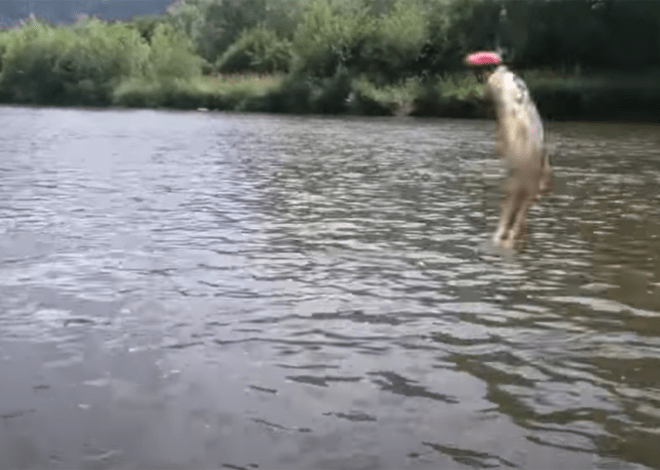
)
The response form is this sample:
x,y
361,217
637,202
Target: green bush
x,y
329,95
396,41
214,25
82,65
256,50
101,56
172,55
47,65
222,23
329,37
29,72
146,24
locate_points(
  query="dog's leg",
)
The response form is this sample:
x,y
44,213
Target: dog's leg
x,y
519,226
506,214
545,184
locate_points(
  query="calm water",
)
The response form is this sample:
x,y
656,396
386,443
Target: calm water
x,y
199,290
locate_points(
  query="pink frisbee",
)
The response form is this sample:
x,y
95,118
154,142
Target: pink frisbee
x,y
483,58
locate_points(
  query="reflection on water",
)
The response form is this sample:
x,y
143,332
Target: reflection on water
x,y
183,290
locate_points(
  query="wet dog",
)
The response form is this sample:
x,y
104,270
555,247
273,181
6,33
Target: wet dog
x,y
519,143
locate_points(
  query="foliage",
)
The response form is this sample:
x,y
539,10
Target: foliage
x,y
236,92
222,23
338,55
43,64
596,33
214,25
330,36
171,55
30,61
462,86
396,41
83,64
244,84
147,24
396,93
256,50
457,27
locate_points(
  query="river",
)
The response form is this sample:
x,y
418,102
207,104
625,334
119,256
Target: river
x,y
188,290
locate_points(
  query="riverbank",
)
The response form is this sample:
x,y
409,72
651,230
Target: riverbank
x,y
566,97
559,97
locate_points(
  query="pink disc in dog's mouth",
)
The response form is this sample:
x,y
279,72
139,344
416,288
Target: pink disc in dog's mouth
x,y
483,58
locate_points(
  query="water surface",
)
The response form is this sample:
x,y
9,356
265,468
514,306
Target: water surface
x,y
202,290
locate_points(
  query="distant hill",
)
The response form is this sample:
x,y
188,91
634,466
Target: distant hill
x,y
66,11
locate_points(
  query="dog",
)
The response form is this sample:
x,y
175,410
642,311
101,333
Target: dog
x,y
519,141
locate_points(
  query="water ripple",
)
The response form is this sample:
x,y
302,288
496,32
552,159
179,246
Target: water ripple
x,y
194,290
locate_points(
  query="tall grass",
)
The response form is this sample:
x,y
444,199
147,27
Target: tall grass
x,y
402,93
461,86
222,92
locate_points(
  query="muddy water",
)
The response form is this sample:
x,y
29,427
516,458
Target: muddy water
x,y
199,290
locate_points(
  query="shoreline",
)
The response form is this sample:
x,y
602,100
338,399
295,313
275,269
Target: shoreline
x,y
642,118
564,100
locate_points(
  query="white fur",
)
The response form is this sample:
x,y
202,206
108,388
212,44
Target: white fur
x,y
520,144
